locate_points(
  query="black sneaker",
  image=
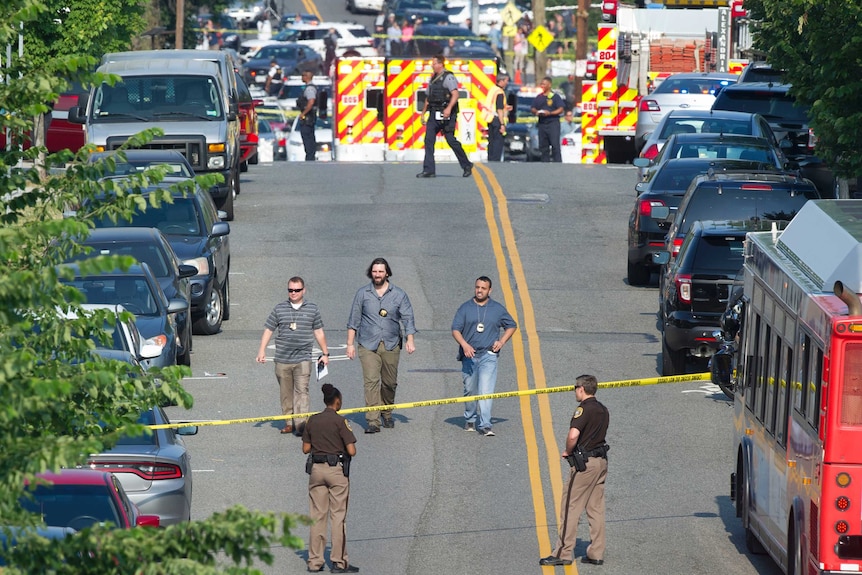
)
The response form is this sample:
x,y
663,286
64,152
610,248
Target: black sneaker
x,y
372,429
426,175
345,569
468,171
388,423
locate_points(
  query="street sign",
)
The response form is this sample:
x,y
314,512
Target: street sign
x,y
511,15
540,38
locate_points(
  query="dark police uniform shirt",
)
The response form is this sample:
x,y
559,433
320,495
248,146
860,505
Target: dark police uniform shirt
x,y
548,103
591,418
328,433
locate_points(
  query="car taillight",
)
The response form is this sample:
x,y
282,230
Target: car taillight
x,y
683,287
145,469
651,152
812,139
677,243
645,207
757,187
649,106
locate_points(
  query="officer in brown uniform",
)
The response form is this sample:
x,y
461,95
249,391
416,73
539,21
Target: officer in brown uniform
x,y
587,453
330,444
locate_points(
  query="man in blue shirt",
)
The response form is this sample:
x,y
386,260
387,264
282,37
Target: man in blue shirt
x,y
548,106
476,328
378,311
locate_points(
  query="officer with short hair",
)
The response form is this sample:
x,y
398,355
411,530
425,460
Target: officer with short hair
x,y
330,445
442,102
587,453
307,105
548,106
495,116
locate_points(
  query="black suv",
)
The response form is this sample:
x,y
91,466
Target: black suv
x,y
199,237
754,196
696,287
789,122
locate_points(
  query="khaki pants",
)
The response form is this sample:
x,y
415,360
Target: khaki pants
x,y
293,381
328,494
380,374
584,492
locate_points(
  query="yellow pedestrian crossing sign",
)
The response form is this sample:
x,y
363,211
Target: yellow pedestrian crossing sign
x,y
511,15
540,38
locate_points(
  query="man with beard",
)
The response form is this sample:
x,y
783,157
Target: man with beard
x,y
376,317
476,328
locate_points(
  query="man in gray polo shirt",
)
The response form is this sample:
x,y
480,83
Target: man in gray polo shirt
x,y
297,323
378,311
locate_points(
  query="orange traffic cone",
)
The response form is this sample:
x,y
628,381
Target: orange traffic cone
x,y
517,75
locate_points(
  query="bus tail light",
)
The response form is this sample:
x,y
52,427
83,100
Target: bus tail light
x,y
842,527
683,287
842,503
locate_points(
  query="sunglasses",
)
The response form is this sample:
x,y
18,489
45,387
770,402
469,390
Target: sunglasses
x,y
295,290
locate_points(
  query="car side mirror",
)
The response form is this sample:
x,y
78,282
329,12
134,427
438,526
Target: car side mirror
x,y
188,271
642,162
231,116
220,229
640,187
77,115
177,304
721,367
187,430
785,144
661,258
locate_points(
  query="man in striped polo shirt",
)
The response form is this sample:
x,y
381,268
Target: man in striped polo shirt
x,y
297,324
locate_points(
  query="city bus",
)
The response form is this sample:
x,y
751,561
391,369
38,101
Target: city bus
x,y
797,481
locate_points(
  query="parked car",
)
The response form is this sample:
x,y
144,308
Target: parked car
x,y
200,238
150,246
766,196
517,142
17,533
247,115
292,87
663,191
696,288
431,39
322,135
761,72
370,6
138,160
292,59
277,140
81,498
125,342
790,123
705,121
693,90
138,291
154,468
351,36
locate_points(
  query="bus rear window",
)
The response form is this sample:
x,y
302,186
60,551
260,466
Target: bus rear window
x,y
851,399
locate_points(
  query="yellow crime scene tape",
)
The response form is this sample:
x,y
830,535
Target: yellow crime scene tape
x,y
448,400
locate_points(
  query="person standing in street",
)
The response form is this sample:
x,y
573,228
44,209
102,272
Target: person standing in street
x,y
587,453
297,324
273,76
376,317
494,114
548,106
330,42
330,445
307,104
442,103
477,328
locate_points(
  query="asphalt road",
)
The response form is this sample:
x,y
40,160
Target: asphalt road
x,y
426,497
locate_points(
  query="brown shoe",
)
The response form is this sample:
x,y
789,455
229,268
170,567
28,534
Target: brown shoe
x,y
287,429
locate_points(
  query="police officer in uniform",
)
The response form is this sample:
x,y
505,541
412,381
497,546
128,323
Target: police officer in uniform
x,y
307,105
495,117
330,444
548,106
587,453
442,101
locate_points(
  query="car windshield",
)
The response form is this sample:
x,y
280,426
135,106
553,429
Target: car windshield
x,y
75,506
279,52
719,254
703,126
132,292
163,97
723,150
147,437
692,86
726,203
177,219
177,169
770,105
148,254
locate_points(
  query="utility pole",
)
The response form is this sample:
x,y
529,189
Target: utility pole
x,y
181,18
540,62
581,44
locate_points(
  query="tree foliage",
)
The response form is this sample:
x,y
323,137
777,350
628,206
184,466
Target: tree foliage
x,y
819,43
58,401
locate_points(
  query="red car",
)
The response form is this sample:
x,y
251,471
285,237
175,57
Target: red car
x,y
80,498
61,134
248,136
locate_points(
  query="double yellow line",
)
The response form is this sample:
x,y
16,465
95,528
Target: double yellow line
x,y
311,8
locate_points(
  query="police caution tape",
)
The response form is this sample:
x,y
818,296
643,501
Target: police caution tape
x,y
451,400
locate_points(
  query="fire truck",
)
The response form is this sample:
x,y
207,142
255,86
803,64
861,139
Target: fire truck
x,y
377,105
641,48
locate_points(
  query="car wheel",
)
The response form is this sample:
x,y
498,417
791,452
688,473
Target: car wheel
x,y
225,298
638,274
225,204
253,160
243,166
210,322
672,362
186,357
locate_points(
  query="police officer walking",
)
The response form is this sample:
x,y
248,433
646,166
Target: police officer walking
x,y
442,102
307,104
587,453
495,116
548,106
330,445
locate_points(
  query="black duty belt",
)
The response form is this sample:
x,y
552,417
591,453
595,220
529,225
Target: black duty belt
x,y
321,458
598,452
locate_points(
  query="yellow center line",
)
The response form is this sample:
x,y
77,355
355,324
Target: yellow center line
x,y
530,332
311,8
